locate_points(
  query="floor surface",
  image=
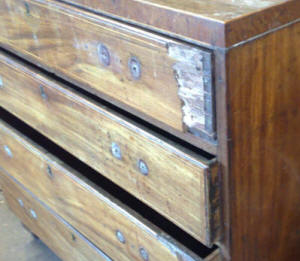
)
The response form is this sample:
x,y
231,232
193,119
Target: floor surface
x,y
16,243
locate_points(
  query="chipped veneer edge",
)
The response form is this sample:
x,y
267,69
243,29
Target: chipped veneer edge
x,y
193,74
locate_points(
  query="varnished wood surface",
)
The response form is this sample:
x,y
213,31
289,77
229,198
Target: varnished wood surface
x,y
60,237
16,243
264,124
221,23
223,149
85,206
66,41
177,184
215,256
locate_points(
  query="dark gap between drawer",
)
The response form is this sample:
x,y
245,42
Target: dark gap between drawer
x,y
162,134
107,185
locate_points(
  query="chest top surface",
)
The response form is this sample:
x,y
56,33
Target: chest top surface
x,y
215,23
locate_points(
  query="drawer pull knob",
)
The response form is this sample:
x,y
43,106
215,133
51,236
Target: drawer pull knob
x,y
120,236
43,94
1,82
8,151
135,68
73,237
49,171
33,214
143,168
116,151
144,254
27,8
21,203
104,55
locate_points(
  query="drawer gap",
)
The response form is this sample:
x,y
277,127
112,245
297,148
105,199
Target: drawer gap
x,y
155,130
142,209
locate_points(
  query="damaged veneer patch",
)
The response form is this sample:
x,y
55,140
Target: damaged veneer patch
x,y
193,73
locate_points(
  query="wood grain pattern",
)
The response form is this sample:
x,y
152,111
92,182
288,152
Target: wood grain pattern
x,y
69,42
223,150
264,124
85,206
60,237
176,189
215,256
221,23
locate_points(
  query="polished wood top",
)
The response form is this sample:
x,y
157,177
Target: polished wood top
x,y
221,23
220,10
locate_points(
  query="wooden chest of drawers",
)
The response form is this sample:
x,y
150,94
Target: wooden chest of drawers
x,y
153,130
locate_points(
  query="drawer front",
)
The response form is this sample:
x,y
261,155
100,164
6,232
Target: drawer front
x,y
165,177
56,233
153,77
111,226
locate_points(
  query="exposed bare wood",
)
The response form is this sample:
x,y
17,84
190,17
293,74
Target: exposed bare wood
x,y
193,71
102,56
65,117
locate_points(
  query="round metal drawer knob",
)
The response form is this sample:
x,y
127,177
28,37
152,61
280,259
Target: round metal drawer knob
x,y
144,254
120,236
33,214
1,82
135,68
116,150
21,203
49,172
104,54
143,168
8,151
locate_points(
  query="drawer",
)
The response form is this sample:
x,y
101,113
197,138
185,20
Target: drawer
x,y
163,81
55,232
111,226
177,183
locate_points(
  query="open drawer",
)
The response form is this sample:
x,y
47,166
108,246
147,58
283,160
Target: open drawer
x,y
176,182
117,230
159,79
39,219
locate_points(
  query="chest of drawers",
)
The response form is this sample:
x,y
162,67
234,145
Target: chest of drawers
x,y
153,130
